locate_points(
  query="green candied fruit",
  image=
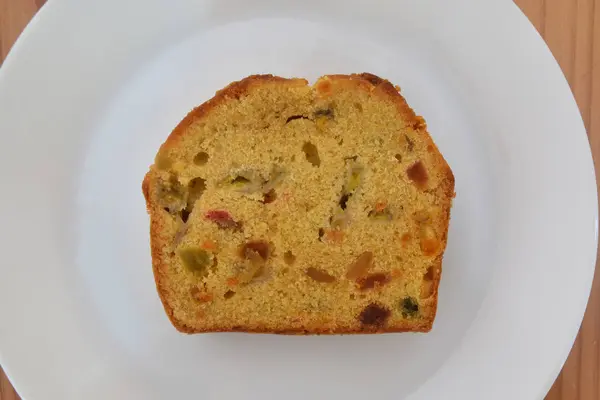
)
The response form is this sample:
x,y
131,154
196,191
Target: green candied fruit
x,y
410,307
194,259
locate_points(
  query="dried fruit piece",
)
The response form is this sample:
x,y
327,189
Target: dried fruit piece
x,y
405,239
223,219
195,259
373,280
319,275
171,195
289,257
354,176
252,268
259,247
426,289
427,286
421,215
209,245
418,174
360,267
374,315
200,295
269,197
229,294
430,245
232,282
312,154
322,118
334,236
409,307
381,214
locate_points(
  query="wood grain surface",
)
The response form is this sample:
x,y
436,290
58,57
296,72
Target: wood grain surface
x,y
572,30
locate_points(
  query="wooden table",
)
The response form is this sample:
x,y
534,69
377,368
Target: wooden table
x,y
572,30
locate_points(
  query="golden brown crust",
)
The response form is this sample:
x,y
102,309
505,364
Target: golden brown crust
x,y
237,90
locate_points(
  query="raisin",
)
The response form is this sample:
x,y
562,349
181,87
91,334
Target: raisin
x,y
409,306
418,174
374,315
269,197
223,219
373,280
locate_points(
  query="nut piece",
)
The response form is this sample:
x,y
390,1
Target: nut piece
x,y
374,315
319,275
374,280
361,266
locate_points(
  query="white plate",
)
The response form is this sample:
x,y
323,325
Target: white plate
x,y
93,87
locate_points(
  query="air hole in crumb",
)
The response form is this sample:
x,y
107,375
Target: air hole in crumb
x,y
285,270
289,257
341,141
229,294
185,215
398,157
201,158
240,179
293,158
344,201
197,187
293,117
352,296
358,107
312,154
321,233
